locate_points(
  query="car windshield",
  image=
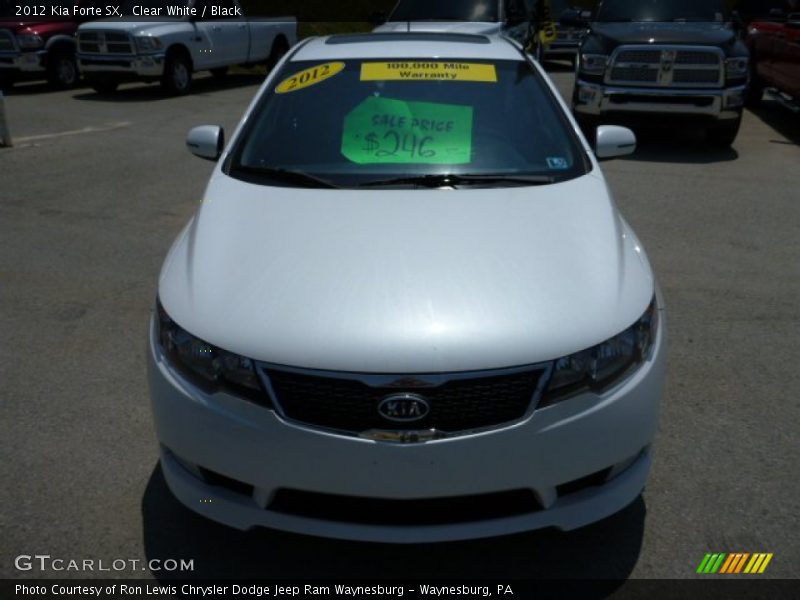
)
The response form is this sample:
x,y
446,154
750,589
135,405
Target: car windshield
x,y
354,123
661,10
446,10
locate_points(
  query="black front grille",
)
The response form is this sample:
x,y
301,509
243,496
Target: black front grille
x,y
428,511
456,405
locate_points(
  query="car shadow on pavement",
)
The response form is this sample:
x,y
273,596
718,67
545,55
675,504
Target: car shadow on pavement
x,y
781,119
607,550
30,88
152,92
678,145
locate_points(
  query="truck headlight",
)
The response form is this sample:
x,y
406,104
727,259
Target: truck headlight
x,y
207,366
593,64
29,42
736,68
597,368
148,43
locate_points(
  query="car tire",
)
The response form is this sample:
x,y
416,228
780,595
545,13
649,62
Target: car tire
x,y
724,134
177,78
62,70
219,73
104,87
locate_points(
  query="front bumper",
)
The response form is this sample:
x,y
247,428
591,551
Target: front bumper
x,y
568,49
23,62
598,99
122,67
548,454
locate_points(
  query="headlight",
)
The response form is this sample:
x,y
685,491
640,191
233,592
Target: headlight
x,y
736,68
593,64
148,43
30,41
209,367
599,367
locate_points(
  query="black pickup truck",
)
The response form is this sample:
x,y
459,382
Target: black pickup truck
x,y
677,61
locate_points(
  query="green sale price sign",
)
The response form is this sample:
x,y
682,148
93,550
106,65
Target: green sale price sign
x,y
387,131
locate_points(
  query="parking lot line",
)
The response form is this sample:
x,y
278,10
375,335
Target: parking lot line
x,y
89,129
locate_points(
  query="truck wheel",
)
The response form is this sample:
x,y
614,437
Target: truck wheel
x,y
220,72
6,81
177,79
588,125
279,47
755,89
724,134
62,70
104,87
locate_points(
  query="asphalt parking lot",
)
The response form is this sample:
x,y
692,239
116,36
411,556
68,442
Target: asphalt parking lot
x,y
95,190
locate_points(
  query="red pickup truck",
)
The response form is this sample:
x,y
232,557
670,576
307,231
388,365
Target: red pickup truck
x,y
36,49
775,57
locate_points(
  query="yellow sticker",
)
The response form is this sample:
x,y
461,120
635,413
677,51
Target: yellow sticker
x,y
308,77
427,71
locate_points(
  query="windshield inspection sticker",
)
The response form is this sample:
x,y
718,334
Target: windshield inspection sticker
x,y
309,77
427,71
557,162
387,131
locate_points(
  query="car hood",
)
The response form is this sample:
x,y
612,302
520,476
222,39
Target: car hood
x,y
134,27
704,34
406,281
473,27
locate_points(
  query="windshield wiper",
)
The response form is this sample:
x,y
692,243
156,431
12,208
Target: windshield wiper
x,y
285,175
451,179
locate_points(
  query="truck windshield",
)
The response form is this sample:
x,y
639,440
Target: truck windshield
x,y
446,10
661,10
355,123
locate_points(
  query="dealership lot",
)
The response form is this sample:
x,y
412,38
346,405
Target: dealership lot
x,y
95,190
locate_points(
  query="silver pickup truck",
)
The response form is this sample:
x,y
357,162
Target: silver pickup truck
x,y
168,43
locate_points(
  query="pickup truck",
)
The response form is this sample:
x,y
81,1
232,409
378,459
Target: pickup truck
x,y
775,57
160,45
513,18
677,61
36,48
508,17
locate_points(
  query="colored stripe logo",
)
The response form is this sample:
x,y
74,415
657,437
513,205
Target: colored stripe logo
x,y
734,563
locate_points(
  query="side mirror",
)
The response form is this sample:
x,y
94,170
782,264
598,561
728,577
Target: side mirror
x,y
207,141
613,141
377,17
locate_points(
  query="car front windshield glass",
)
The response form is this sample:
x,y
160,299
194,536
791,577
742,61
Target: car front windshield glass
x,y
662,10
352,123
446,10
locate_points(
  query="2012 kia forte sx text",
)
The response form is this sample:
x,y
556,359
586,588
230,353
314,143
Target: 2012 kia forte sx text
x,y
407,308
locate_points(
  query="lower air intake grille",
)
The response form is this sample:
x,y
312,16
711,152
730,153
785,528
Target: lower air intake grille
x,y
378,511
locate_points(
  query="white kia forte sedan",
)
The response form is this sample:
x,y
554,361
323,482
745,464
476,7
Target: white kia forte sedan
x,y
407,308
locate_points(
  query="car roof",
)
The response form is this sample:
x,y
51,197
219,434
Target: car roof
x,y
408,45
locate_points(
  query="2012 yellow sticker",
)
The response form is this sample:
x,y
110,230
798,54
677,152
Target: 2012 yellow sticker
x,y
308,77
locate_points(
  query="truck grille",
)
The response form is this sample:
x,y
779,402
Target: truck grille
x,y
667,66
6,41
105,42
350,404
